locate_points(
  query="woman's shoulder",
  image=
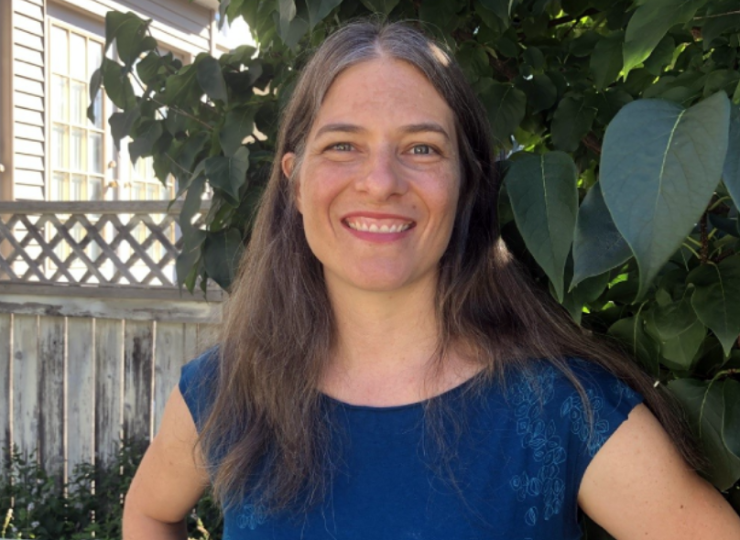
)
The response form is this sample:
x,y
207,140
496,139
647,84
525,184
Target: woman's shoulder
x,y
197,382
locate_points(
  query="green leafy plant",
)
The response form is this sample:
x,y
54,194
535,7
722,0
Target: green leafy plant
x,y
35,504
620,120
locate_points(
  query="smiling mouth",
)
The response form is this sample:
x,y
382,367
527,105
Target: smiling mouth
x,y
379,226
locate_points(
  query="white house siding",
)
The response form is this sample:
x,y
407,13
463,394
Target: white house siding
x,y
28,99
177,24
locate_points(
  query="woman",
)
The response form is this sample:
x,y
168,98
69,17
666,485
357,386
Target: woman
x,y
386,370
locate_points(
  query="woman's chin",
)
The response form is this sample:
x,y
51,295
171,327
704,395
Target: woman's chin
x,y
374,281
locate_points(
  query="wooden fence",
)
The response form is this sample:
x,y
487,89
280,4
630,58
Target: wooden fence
x,y
93,329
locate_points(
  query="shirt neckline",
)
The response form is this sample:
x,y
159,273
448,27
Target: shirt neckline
x,y
447,394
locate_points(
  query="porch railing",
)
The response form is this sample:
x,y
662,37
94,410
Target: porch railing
x,y
83,244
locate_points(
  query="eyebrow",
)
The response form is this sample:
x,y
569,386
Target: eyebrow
x,y
410,128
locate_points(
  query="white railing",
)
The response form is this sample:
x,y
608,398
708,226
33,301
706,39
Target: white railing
x,y
101,243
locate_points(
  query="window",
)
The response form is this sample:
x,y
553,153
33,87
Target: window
x,y
77,145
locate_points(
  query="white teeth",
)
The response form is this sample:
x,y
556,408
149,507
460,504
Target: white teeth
x,y
383,229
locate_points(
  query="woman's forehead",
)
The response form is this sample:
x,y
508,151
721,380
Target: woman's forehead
x,y
383,91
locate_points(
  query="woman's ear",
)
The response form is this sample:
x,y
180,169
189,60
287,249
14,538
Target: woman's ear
x,y
288,164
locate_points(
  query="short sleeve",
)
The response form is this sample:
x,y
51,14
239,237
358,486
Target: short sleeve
x,y
197,384
611,401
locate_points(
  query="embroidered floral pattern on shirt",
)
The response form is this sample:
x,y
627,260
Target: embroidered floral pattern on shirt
x,y
249,517
539,436
573,409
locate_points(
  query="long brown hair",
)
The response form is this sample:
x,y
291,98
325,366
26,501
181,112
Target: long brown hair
x,y
266,437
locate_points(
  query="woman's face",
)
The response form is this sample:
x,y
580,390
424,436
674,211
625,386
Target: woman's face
x,y
380,179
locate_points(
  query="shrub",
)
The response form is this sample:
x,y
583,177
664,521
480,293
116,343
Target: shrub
x,y
33,502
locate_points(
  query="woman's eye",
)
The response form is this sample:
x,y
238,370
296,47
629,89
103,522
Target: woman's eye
x,y
422,150
341,147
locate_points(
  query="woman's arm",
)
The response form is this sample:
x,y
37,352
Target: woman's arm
x,y
169,481
638,487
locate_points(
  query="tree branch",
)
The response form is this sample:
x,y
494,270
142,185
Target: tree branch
x,y
717,15
704,239
176,163
592,143
502,67
183,113
719,258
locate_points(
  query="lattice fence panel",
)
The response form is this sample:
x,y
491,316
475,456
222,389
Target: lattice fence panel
x,y
118,243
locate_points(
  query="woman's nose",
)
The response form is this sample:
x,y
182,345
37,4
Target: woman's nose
x,y
383,176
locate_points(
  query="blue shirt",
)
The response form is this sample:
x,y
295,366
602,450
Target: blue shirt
x,y
517,466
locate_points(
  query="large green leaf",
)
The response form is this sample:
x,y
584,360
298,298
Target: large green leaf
x,y
731,170
650,22
716,299
441,14
229,173
679,352
606,60
190,149
661,56
193,237
185,266
186,181
586,292
130,34
506,106
679,332
114,21
318,9
239,124
502,8
143,144
211,79
221,254
608,103
95,81
182,87
672,319
473,60
572,121
193,201
380,6
709,411
597,247
544,197
660,164
730,431
148,68
117,84
293,21
631,332
121,124
287,10
540,90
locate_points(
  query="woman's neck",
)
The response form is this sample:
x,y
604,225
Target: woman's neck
x,y
386,348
